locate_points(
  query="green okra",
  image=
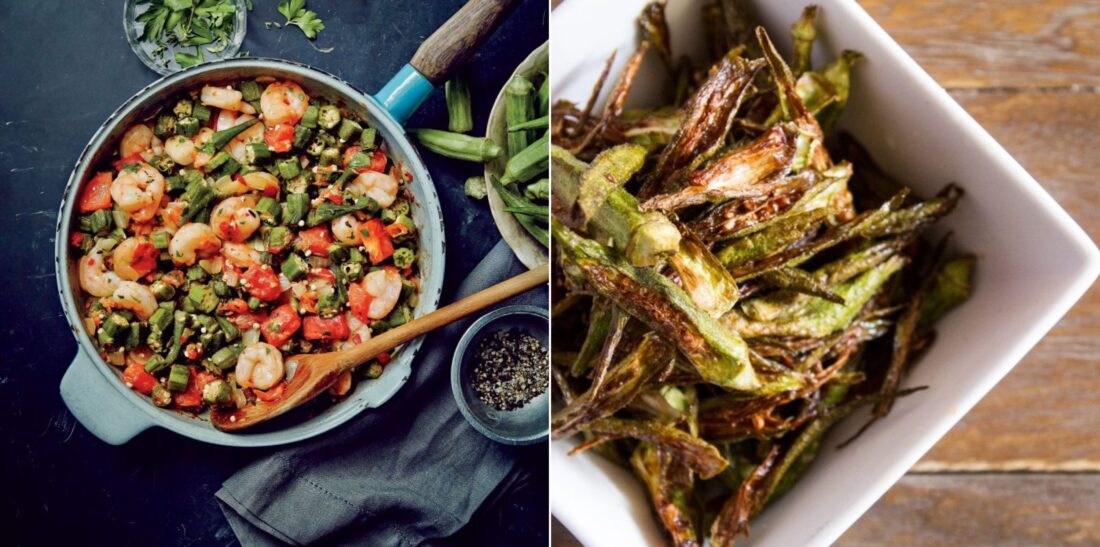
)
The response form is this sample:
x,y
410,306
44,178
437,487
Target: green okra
x,y
803,34
540,189
457,145
529,162
178,376
475,187
817,316
221,138
537,123
586,196
519,107
951,288
718,354
512,199
459,115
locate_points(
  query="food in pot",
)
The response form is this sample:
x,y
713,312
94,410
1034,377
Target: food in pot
x,y
240,224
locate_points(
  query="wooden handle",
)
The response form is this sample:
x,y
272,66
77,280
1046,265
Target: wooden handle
x,y
352,357
454,42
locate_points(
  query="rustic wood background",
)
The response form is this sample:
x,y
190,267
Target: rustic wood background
x,y
1023,467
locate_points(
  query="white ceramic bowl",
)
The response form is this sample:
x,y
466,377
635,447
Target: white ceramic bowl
x,y
1034,263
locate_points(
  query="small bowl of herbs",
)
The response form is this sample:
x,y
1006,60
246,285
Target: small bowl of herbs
x,y
171,35
500,375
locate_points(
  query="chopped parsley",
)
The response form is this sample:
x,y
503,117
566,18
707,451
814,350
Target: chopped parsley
x,y
198,24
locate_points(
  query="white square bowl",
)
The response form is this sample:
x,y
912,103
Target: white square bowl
x,y
1034,263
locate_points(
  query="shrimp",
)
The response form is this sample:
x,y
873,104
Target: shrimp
x,y
137,139
94,277
221,97
235,219
181,149
134,258
201,138
239,144
283,102
133,296
241,255
378,186
138,190
191,241
263,182
384,287
346,229
260,366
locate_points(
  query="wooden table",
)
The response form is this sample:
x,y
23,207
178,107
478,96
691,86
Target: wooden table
x,y
1023,467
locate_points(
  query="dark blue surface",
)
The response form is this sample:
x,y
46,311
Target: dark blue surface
x,y
65,66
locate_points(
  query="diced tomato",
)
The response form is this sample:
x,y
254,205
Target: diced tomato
x,y
136,377
192,396
280,138
262,282
384,358
128,160
398,229
316,240
76,239
97,193
376,240
378,162
145,258
271,395
359,300
234,307
325,328
281,325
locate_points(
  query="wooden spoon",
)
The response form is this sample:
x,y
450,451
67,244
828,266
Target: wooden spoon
x,y
317,371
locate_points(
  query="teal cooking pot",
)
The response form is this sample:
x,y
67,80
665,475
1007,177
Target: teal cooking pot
x,y
93,390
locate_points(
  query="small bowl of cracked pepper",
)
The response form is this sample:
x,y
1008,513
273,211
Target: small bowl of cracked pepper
x,y
500,375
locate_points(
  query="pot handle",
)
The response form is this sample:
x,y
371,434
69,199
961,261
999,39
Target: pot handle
x,y
440,56
98,405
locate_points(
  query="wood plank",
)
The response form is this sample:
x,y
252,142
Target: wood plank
x,y
997,509
970,509
997,43
1044,414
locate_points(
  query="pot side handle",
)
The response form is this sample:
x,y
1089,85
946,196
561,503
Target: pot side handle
x,y
98,405
440,56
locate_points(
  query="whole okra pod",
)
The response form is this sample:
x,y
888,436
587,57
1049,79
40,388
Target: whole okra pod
x,y
519,108
457,145
529,162
459,117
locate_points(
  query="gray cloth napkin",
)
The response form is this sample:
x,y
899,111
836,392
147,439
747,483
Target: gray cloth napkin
x,y
404,474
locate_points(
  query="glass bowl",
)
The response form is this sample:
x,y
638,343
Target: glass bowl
x,y
167,63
